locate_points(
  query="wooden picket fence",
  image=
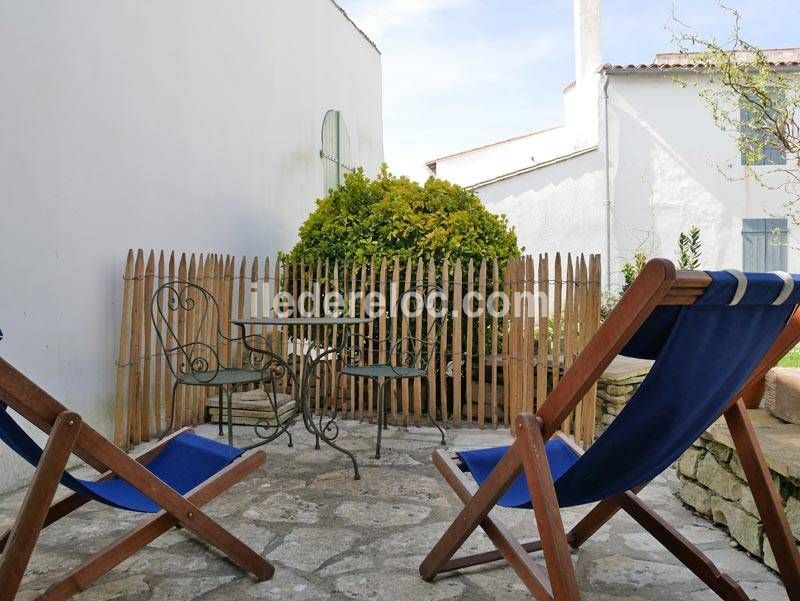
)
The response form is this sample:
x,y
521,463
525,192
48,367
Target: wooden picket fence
x,y
543,340
492,367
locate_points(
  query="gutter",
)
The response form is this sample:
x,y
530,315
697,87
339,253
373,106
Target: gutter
x,y
607,175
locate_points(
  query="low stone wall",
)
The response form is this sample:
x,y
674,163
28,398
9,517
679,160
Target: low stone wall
x,y
711,480
713,484
616,386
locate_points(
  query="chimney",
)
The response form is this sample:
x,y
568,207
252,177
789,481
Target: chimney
x,y
588,57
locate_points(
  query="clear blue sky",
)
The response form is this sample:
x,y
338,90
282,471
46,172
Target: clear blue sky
x,y
461,73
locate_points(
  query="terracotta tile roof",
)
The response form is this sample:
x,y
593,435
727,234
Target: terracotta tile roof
x,y
780,58
609,68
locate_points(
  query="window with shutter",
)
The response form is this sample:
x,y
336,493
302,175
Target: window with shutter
x,y
335,152
764,244
764,151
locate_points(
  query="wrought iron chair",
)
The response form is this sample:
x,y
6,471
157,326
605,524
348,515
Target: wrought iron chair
x,y
382,361
186,318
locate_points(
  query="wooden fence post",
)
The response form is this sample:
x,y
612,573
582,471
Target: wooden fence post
x,y
123,357
430,341
147,326
482,345
405,330
444,341
495,339
469,332
160,396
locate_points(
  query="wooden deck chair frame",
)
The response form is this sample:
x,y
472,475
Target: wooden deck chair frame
x,y
658,284
69,435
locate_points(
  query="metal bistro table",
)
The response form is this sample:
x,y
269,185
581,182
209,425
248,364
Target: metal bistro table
x,y
312,356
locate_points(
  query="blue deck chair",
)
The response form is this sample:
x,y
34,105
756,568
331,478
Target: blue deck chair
x,y
713,337
171,481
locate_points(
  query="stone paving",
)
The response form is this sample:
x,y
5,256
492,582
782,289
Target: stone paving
x,y
333,538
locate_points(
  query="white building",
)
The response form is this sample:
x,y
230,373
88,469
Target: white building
x,y
638,161
187,124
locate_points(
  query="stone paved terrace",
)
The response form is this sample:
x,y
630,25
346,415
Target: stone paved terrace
x,y
333,538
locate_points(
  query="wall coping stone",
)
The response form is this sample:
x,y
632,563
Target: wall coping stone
x,y
779,441
626,368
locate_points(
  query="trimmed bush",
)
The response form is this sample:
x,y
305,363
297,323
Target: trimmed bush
x,y
396,217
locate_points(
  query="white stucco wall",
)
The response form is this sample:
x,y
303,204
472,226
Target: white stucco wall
x,y
665,158
554,208
185,124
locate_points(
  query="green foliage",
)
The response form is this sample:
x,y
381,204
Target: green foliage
x,y
396,217
631,269
791,359
757,104
608,301
689,249
689,252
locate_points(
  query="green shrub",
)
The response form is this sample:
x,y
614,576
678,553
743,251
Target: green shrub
x,y
631,270
689,249
396,217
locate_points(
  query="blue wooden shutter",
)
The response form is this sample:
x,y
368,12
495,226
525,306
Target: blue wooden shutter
x,y
764,245
777,239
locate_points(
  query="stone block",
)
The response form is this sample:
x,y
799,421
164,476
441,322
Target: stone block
x,y
768,556
747,502
779,441
620,391
736,467
743,527
634,381
612,399
793,515
721,452
781,448
687,464
695,496
712,474
625,368
782,397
